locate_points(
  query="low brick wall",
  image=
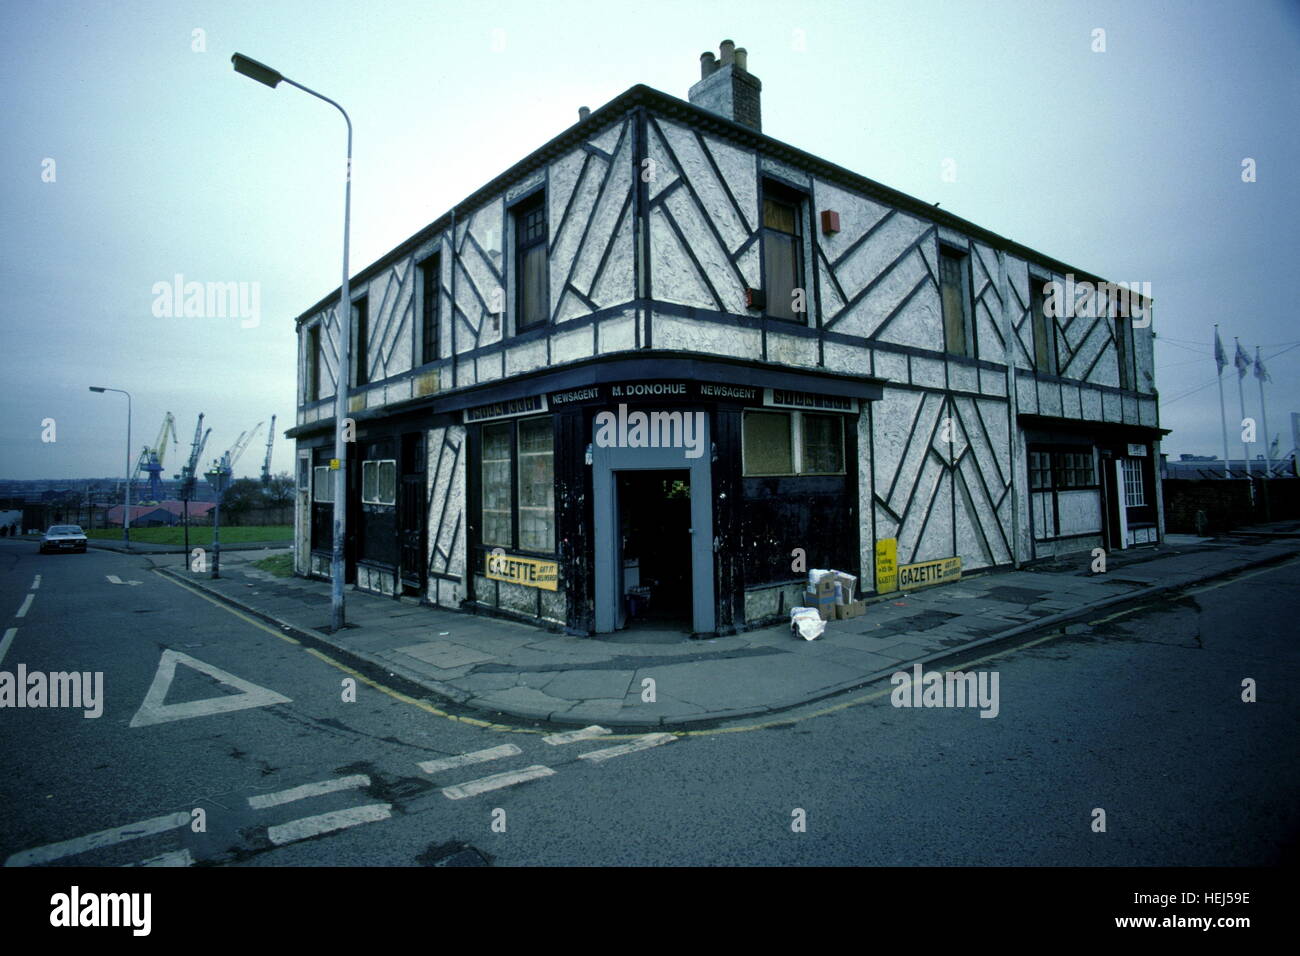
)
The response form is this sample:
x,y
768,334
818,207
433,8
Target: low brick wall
x,y
1227,503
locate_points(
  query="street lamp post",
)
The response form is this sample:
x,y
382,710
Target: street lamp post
x,y
269,77
126,510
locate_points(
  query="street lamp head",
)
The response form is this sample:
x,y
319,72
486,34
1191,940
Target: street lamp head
x,y
256,71
96,388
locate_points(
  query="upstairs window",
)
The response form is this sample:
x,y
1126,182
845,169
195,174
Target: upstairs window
x,y
782,250
361,327
1044,327
1124,339
313,363
531,294
431,278
956,307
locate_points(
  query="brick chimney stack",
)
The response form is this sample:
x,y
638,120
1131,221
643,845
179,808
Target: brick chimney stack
x,y
726,86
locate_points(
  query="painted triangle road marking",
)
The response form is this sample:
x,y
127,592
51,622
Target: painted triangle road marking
x,y
155,710
114,579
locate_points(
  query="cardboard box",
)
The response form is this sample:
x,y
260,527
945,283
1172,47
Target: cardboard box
x,y
823,604
848,583
843,612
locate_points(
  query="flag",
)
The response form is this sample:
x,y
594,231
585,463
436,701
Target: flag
x,y
1242,361
1219,358
1260,372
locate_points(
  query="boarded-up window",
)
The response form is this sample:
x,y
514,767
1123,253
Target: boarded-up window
x,y
768,444
1043,326
496,484
781,252
952,288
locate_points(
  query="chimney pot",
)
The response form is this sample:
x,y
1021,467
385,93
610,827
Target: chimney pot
x,y
728,49
583,113
742,59
708,64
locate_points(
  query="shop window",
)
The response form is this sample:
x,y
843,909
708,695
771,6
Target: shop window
x,y
531,293
496,484
1040,471
379,481
954,296
322,486
1134,490
1043,326
518,482
793,443
782,250
1075,470
536,485
823,444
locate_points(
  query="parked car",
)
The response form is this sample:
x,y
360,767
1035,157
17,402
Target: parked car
x,y
63,537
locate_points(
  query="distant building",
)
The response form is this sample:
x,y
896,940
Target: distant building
x,y
1211,466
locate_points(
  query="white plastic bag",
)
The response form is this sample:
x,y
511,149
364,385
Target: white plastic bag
x,y
805,622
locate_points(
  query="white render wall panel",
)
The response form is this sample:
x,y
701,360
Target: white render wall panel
x,y
674,277
713,259
674,332
695,164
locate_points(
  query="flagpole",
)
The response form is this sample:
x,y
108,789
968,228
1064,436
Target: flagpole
x,y
1263,413
1223,413
1241,395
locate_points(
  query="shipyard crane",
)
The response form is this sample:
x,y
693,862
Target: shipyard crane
x,y
151,460
188,475
266,463
240,444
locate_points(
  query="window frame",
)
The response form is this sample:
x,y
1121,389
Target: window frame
x,y
430,307
797,200
317,484
795,417
312,390
525,207
1038,318
361,340
514,487
1134,480
377,470
961,256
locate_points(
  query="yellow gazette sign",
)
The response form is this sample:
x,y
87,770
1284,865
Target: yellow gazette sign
x,y
928,572
886,565
530,572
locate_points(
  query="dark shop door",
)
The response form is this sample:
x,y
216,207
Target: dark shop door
x,y
412,528
654,516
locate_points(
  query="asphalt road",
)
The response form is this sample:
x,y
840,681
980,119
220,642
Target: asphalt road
x,y
1139,715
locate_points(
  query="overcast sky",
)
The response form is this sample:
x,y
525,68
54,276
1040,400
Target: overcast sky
x,y
1126,163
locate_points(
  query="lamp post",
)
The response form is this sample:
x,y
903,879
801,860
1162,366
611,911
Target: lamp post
x,y
270,77
126,510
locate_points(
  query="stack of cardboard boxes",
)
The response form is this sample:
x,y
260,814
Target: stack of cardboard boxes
x,y
830,593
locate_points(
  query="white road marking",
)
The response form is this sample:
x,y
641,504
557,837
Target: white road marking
x,y
27,602
328,822
174,858
155,711
37,583
4,644
573,736
113,579
641,743
264,800
464,760
472,788
93,841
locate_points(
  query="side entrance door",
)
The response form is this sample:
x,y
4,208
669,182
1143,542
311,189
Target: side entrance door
x,y
412,528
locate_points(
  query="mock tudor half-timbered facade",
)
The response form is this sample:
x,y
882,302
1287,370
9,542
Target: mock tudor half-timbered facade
x,y
665,363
